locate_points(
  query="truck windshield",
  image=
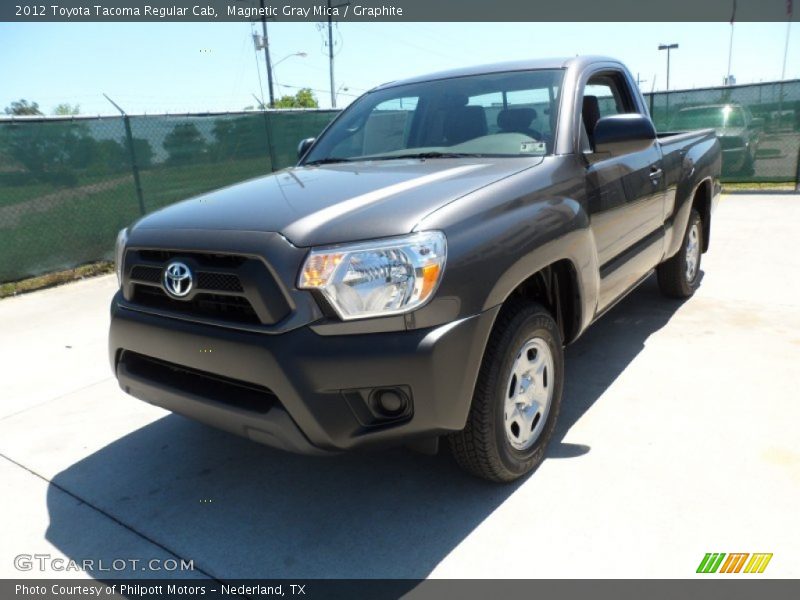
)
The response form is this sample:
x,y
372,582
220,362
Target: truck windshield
x,y
497,114
715,117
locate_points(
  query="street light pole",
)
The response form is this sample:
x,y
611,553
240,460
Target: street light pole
x,y
668,48
288,56
300,54
342,87
786,47
728,78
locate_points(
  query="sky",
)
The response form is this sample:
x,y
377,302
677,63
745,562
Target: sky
x,y
190,67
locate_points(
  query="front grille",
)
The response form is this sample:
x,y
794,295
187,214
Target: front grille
x,y
144,273
220,261
221,282
217,307
224,390
224,282
240,290
729,143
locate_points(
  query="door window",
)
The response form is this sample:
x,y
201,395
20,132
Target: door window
x,y
605,94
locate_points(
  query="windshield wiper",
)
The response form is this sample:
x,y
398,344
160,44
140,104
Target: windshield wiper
x,y
327,161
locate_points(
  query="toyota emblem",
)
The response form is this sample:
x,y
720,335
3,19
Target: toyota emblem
x,y
177,279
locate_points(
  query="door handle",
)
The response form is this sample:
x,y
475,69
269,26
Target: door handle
x,y
655,174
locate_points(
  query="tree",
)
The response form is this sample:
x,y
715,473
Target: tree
x,y
184,143
65,109
112,155
241,137
304,98
144,153
51,151
23,107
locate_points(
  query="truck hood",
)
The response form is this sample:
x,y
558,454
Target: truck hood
x,y
336,203
731,132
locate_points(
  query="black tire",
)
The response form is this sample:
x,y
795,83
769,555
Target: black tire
x,y
674,278
483,447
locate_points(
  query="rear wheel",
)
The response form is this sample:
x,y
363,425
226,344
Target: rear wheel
x,y
679,276
517,397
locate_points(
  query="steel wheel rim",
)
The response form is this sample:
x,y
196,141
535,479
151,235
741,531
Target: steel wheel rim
x,y
528,393
692,252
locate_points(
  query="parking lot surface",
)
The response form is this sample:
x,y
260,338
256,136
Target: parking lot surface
x,y
678,436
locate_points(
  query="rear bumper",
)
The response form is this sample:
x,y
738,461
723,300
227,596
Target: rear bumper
x,y
304,392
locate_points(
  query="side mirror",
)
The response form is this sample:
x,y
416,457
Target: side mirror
x,y
303,147
622,134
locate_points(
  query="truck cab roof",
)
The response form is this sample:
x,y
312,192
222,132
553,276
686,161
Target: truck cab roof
x,y
578,62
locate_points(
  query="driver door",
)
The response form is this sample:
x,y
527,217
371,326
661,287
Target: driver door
x,y
625,194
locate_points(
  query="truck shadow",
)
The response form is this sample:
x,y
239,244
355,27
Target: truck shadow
x,y
240,510
603,352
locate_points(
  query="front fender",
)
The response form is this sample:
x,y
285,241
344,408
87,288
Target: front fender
x,y
559,231
499,236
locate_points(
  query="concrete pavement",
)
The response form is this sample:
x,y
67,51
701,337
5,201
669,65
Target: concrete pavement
x,y
678,436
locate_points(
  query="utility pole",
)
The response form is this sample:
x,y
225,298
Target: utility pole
x,y
330,55
331,8
265,45
668,48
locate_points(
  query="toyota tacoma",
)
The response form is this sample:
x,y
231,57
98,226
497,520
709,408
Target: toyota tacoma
x,y
416,276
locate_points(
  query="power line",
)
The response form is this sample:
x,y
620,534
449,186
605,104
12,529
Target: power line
x,y
305,87
384,36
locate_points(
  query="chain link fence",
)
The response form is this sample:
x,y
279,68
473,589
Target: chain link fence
x,y
67,185
758,126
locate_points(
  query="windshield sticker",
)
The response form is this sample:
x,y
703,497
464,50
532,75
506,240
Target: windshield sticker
x,y
533,148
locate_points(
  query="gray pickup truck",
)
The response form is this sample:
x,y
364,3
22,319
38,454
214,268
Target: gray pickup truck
x,y
417,275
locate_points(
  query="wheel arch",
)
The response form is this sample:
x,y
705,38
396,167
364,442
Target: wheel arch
x,y
555,287
701,201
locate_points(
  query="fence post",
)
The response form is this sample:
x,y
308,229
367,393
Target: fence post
x,y
134,166
797,173
268,126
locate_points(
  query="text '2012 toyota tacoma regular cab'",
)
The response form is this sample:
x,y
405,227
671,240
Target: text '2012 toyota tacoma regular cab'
x,y
420,270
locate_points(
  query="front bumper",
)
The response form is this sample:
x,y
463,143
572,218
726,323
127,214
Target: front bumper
x,y
298,390
733,159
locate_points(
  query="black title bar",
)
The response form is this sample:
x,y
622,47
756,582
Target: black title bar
x,y
701,588
397,10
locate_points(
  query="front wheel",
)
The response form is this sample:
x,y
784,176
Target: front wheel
x,y
517,396
679,276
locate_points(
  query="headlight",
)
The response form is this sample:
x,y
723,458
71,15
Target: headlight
x,y
378,278
119,252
